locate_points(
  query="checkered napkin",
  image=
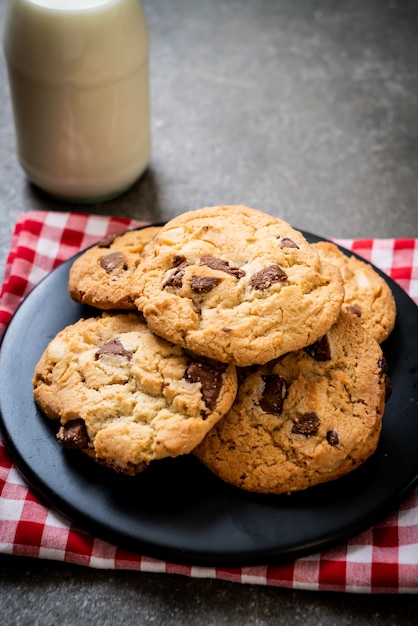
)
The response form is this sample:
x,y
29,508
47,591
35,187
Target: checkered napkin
x,y
382,559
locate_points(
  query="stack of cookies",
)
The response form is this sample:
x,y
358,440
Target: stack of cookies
x,y
227,335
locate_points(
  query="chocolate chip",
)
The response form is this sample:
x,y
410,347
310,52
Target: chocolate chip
x,y
203,284
74,434
286,242
114,346
274,394
266,277
320,350
307,424
355,309
175,279
113,261
222,266
210,375
332,438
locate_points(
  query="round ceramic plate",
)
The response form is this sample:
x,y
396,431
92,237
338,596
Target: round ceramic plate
x,y
177,510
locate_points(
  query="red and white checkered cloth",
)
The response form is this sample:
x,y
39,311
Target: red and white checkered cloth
x,y
382,559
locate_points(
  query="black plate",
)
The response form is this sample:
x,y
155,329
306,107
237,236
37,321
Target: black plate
x,y
177,510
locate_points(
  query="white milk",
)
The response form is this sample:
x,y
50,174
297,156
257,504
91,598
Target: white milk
x,y
78,73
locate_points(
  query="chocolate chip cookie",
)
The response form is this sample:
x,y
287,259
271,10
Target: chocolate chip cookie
x,y
367,294
236,285
101,275
309,417
127,397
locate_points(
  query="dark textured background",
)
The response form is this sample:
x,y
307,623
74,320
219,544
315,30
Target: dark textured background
x,y
304,109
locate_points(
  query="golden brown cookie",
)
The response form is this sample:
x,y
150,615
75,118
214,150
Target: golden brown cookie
x,y
307,418
237,285
367,294
101,275
127,397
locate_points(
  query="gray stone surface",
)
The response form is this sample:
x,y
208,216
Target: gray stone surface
x,y
305,109
40,594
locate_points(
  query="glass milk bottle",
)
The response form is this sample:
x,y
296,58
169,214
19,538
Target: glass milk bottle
x,y
79,83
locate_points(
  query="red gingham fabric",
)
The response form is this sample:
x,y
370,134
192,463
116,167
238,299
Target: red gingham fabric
x,y
383,559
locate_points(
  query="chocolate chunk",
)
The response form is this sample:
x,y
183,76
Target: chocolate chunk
x,y
113,261
175,279
131,469
307,424
222,266
114,346
274,394
320,350
355,309
107,242
332,438
388,388
382,363
286,242
178,259
210,375
74,434
203,284
266,277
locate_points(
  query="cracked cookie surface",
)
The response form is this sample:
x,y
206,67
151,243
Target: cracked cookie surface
x,y
101,275
237,285
127,397
367,294
309,417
